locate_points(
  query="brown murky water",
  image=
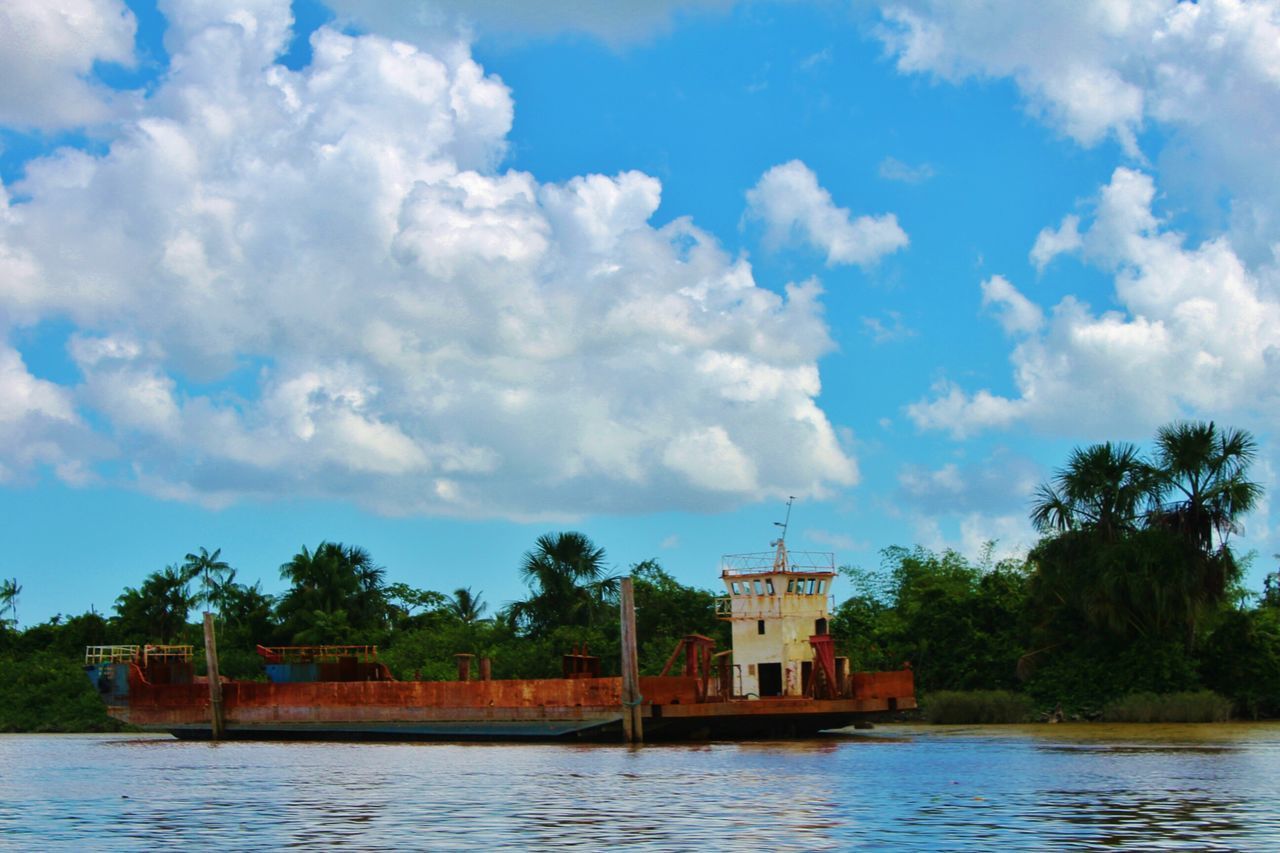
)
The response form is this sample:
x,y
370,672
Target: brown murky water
x,y
900,787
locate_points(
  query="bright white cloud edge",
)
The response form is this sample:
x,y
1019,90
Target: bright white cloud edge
x,y
380,314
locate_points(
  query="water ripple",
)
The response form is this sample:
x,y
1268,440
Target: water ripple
x,y
904,788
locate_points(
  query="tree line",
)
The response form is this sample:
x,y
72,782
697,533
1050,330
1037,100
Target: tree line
x,y
1133,586
338,594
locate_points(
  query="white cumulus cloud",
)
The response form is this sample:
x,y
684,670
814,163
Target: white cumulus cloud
x,y
1198,331
1017,314
793,206
616,22
321,283
1208,72
47,53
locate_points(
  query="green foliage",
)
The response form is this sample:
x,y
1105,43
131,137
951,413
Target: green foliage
x,y
1205,471
667,611
215,577
568,585
1098,611
950,707
337,594
9,591
959,625
412,609
1137,548
1084,676
1104,489
467,606
158,609
47,692
1241,659
1151,584
427,653
1135,573
1203,706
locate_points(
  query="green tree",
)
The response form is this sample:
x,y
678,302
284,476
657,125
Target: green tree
x,y
1205,469
466,606
566,576
1104,489
960,625
666,611
336,593
9,590
1135,568
158,609
248,610
1119,558
413,608
214,574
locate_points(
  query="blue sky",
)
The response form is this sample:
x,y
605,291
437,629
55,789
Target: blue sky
x,y
434,278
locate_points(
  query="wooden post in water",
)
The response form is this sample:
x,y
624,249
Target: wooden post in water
x,y
632,724
215,680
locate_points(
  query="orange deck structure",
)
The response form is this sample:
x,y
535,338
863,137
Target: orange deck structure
x,y
785,680
358,699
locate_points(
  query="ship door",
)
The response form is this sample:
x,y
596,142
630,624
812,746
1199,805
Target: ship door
x,y
770,675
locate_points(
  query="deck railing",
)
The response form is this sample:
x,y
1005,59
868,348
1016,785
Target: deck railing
x,y
795,561
165,654
316,654
111,654
144,655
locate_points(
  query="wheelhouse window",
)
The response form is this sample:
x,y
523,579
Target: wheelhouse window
x,y
759,587
734,586
791,584
768,585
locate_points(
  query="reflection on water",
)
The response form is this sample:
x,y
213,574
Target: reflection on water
x,y
1204,787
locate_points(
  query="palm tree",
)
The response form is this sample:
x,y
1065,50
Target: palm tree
x,y
565,572
158,609
1205,469
1127,560
333,578
9,590
466,606
1104,488
247,607
212,573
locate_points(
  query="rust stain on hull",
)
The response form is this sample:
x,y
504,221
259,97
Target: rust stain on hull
x,y
676,706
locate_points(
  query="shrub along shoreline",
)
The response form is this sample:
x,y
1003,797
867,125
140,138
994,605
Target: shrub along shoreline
x,y
987,707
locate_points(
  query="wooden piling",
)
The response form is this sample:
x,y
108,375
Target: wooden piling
x,y
486,669
632,723
464,665
215,680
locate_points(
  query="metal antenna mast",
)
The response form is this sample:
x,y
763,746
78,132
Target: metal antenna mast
x,y
780,557
783,524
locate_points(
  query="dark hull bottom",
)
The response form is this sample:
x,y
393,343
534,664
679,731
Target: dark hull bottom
x,y
754,726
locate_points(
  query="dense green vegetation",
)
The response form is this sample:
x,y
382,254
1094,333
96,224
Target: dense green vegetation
x,y
1201,706
1132,589
337,594
976,706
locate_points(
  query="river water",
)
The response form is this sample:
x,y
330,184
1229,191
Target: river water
x,y
898,787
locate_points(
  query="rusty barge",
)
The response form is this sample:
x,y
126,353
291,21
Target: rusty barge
x,y
781,678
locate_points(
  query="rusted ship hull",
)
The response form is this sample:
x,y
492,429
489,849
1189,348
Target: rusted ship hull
x,y
673,707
